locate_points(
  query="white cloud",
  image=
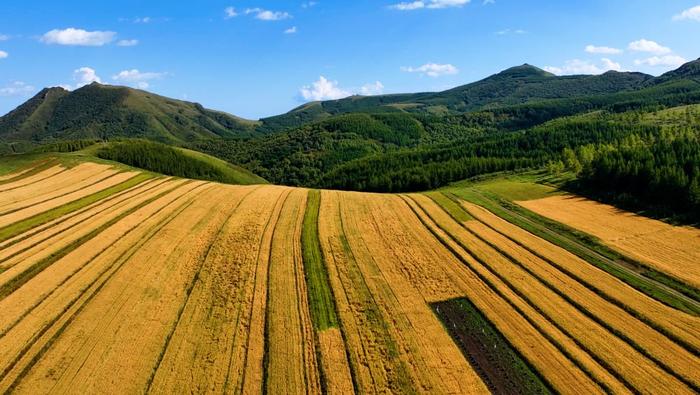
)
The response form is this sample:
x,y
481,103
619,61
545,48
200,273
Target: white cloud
x,y
145,19
16,88
230,12
3,54
578,66
510,31
84,76
72,36
267,15
432,69
610,65
291,30
689,14
127,43
323,89
667,60
430,4
136,78
408,6
377,88
644,45
308,4
602,50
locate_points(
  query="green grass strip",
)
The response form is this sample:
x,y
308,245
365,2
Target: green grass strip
x,y
321,301
450,206
40,219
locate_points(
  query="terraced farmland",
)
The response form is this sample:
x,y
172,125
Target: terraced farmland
x,y
133,282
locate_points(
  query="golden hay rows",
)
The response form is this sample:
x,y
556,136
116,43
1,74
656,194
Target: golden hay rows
x,y
171,286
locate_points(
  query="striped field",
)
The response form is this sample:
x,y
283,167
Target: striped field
x,y
119,281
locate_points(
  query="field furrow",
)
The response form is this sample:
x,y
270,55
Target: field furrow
x,y
628,361
19,215
290,347
559,358
66,188
57,181
682,325
41,245
134,311
394,284
669,249
35,236
41,176
43,306
215,319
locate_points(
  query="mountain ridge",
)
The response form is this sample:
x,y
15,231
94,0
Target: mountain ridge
x,y
108,111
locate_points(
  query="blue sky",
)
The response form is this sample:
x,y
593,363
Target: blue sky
x,y
258,58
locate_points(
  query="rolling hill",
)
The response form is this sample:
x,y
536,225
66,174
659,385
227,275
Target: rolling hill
x,y
104,112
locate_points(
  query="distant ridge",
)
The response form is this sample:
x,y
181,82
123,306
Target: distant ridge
x,y
104,111
516,85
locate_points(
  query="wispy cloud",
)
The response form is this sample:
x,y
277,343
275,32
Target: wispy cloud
x,y
666,61
602,50
432,69
4,54
325,89
376,88
429,4
309,4
78,37
510,31
230,12
267,15
83,76
17,88
4,37
645,45
578,66
291,30
138,19
689,14
127,43
137,78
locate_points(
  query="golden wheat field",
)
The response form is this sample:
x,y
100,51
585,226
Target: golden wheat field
x,y
119,281
674,250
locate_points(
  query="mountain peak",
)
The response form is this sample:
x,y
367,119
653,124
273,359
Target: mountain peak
x,y
523,71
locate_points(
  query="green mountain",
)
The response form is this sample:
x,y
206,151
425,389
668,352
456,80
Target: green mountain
x,y
517,85
103,111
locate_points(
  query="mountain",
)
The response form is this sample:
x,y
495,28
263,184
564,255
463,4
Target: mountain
x,y
103,111
688,71
516,85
